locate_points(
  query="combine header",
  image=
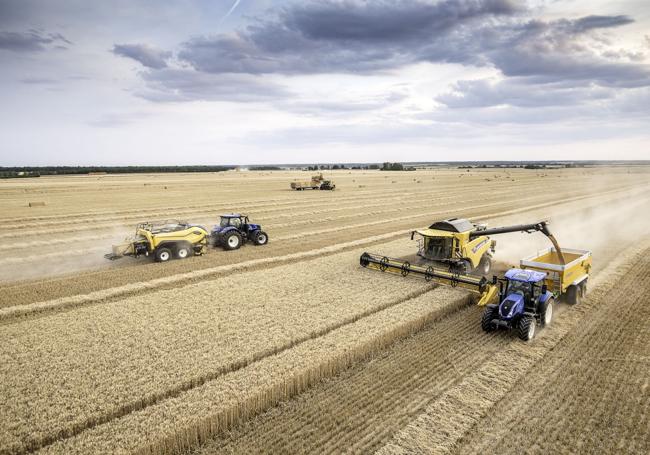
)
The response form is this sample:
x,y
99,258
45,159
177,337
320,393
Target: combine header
x,y
480,285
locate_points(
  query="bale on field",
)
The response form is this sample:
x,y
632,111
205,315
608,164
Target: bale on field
x,y
37,204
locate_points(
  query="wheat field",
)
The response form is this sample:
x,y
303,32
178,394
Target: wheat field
x,y
293,347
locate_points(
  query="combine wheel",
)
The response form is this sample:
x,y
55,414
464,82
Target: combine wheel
x,y
163,254
260,238
546,312
183,251
490,313
484,266
232,241
526,327
573,295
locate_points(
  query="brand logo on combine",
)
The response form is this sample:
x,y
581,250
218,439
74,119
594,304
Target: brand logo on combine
x,y
479,245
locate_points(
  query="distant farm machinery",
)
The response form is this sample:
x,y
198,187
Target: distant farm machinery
x,y
166,240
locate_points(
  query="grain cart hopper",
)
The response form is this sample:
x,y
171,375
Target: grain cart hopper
x,y
163,240
465,246
527,295
234,229
317,182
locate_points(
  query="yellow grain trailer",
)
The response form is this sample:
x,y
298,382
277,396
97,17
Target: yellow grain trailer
x,y
566,278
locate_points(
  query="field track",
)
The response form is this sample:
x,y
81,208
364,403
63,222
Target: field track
x,y
138,357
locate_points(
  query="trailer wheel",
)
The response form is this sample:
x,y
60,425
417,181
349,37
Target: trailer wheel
x,y
183,251
232,241
526,327
546,312
163,254
583,289
573,295
260,238
486,321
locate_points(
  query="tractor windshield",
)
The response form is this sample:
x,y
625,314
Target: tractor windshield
x,y
229,221
519,287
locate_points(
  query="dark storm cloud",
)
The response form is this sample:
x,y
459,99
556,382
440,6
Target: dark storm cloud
x,y
148,56
335,36
31,41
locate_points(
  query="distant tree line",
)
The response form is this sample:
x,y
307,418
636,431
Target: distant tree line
x,y
334,167
396,167
265,168
20,172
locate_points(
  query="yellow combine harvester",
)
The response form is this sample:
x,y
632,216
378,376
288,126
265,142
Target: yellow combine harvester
x,y
164,240
523,299
465,246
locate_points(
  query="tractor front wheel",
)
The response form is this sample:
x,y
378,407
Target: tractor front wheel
x,y
486,321
546,312
526,327
260,238
232,241
163,254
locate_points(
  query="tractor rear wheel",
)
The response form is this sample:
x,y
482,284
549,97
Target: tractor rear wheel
x,y
526,327
163,254
546,312
232,241
486,321
573,295
260,238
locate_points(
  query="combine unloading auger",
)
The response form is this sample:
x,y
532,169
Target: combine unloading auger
x,y
541,226
487,291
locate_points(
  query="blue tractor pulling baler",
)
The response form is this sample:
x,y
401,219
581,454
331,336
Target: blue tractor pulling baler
x,y
234,229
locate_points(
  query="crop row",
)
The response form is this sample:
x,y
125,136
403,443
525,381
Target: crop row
x,y
181,422
129,353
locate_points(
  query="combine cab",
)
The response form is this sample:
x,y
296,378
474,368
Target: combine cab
x,y
464,246
164,240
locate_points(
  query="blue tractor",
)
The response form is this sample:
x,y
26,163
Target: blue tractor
x,y
525,303
234,229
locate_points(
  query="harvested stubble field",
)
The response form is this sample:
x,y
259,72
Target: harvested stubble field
x,y
137,357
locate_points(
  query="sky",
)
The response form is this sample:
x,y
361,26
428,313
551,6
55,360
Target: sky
x,y
146,82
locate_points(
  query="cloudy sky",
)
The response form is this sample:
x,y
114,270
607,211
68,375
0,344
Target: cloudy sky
x,y
261,81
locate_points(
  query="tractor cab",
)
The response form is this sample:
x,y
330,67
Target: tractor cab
x,y
233,219
522,292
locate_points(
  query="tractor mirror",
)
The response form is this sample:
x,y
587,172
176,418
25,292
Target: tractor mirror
x,y
544,288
